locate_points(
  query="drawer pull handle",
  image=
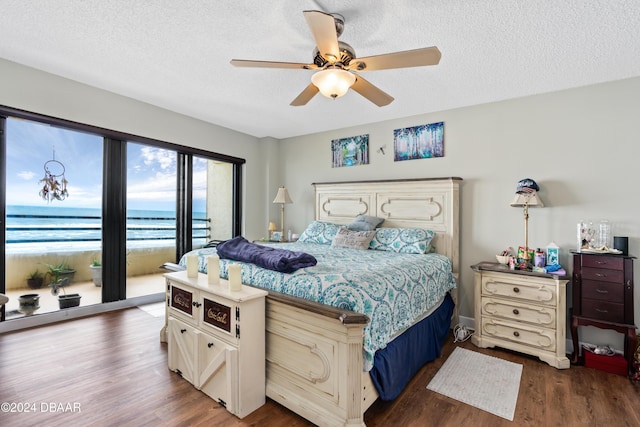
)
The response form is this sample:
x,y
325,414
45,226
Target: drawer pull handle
x,y
516,333
210,345
601,275
516,311
516,290
602,291
601,311
182,331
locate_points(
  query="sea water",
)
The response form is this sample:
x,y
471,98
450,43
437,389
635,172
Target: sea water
x,y
38,228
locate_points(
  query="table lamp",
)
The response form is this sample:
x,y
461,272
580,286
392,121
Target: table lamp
x,y
282,197
271,229
526,197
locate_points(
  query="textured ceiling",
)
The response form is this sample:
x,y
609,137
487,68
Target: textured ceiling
x,y
175,54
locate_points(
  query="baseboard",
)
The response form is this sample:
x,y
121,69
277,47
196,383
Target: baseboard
x,y
467,322
76,312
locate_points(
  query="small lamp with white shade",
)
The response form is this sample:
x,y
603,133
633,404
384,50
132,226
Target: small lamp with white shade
x,y
271,229
526,197
282,197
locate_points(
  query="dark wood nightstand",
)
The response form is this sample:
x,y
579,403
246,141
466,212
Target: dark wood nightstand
x,y
603,297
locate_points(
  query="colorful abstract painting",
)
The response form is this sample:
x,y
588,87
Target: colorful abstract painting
x,y
419,142
350,151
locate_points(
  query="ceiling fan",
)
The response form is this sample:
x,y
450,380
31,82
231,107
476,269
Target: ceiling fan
x,y
338,66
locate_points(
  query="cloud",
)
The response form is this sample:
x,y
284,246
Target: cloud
x,y
164,158
26,175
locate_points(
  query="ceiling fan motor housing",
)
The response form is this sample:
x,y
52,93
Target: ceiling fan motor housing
x,y
347,54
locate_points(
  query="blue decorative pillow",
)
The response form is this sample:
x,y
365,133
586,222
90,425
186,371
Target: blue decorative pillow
x,y
320,232
365,223
403,240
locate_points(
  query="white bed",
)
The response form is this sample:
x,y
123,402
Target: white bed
x,y
314,352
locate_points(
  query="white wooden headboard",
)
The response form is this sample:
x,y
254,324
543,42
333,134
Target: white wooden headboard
x,y
430,203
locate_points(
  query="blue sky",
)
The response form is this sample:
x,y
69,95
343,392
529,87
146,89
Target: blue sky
x,y
151,172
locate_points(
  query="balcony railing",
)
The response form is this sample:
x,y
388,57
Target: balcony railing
x,y
69,228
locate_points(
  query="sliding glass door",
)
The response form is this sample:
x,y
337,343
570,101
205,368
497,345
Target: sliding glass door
x,y
151,216
53,199
213,201
96,213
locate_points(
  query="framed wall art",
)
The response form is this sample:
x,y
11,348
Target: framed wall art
x,y
419,142
350,151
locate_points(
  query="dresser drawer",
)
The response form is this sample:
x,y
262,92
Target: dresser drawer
x,y
608,262
603,310
540,338
604,291
590,273
534,314
522,289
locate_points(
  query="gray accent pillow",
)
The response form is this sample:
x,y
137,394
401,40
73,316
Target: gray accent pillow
x,y
346,238
365,223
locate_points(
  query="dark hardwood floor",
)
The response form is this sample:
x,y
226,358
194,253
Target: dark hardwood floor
x,y
111,370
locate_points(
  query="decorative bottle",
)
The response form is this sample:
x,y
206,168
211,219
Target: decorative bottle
x,y
581,234
604,236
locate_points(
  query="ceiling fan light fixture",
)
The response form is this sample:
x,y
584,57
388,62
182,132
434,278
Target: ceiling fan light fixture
x,y
333,82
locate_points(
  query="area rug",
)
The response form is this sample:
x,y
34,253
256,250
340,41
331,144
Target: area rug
x,y
482,381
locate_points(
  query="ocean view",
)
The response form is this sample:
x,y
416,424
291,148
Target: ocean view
x,y
43,228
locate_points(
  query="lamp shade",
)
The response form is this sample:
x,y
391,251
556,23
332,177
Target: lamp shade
x,y
272,226
527,199
333,82
282,196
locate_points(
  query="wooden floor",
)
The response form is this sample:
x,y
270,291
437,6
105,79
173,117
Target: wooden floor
x,y
111,370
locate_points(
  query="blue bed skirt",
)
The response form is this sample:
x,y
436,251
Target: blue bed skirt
x,y
398,362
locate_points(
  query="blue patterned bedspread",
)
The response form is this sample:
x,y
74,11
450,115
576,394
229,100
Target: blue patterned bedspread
x,y
393,289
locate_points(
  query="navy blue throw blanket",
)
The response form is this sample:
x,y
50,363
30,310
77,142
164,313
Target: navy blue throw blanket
x,y
282,260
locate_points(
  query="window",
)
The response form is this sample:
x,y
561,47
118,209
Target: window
x,y
131,218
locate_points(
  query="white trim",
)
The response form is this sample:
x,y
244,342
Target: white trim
x,y
76,313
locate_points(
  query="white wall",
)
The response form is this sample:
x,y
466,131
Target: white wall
x,y
36,91
580,145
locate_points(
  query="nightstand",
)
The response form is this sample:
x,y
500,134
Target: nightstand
x,y
521,311
216,340
603,297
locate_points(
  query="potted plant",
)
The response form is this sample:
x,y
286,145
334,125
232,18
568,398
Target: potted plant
x,y
60,276
96,272
28,304
35,280
59,271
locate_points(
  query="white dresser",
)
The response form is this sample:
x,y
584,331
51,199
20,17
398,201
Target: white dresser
x,y
521,311
216,340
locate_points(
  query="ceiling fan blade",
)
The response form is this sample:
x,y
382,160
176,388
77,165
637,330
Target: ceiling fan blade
x,y
305,96
371,92
272,64
323,28
405,59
